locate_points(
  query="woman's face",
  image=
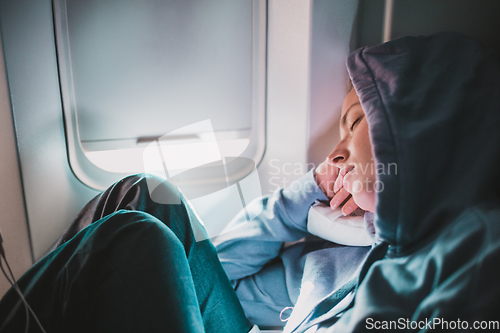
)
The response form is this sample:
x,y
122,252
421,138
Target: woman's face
x,y
353,154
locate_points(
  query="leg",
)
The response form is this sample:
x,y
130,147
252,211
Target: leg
x,y
125,273
216,301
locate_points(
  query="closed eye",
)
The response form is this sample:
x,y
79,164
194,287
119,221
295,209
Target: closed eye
x,y
355,122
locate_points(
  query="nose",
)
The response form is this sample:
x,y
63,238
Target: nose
x,y
338,155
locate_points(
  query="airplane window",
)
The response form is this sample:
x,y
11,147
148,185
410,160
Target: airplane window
x,y
133,71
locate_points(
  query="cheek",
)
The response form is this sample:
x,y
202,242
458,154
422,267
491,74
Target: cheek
x,y
362,183
364,150
363,189
365,199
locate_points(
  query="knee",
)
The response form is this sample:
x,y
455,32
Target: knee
x,y
163,200
163,191
160,190
133,230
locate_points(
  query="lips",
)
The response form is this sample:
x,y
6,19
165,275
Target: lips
x,y
348,169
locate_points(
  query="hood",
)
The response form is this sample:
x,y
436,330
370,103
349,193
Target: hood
x,y
433,109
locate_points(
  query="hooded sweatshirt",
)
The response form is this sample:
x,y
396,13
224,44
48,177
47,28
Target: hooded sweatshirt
x,y
433,108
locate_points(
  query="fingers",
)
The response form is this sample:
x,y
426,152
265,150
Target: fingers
x,y
349,207
339,198
326,176
342,195
338,183
328,188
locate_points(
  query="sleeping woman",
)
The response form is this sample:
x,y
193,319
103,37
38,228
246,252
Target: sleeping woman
x,y
429,105
432,106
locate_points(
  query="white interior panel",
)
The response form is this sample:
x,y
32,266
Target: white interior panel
x,y
52,194
12,212
132,71
288,61
333,34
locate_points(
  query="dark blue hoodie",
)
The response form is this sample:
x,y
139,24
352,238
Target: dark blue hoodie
x,y
433,107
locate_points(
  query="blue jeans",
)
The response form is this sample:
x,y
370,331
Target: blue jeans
x,y
128,264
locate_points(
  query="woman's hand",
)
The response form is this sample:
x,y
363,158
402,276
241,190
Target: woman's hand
x,y
326,175
341,196
330,181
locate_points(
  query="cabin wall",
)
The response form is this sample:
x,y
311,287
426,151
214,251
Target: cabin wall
x,y
12,210
339,27
478,18
288,58
308,41
52,193
333,32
